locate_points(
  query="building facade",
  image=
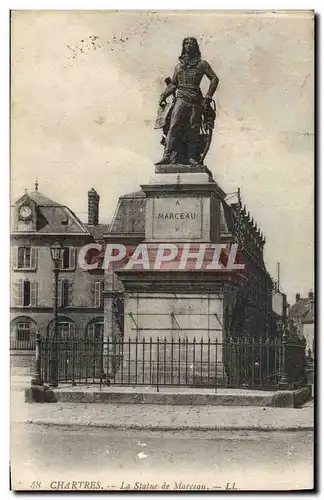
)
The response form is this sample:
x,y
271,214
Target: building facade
x,y
36,223
303,315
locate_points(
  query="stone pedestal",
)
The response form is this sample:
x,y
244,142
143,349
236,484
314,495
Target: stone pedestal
x,y
182,206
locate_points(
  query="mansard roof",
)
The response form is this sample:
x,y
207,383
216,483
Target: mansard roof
x,y
39,198
303,310
52,217
130,214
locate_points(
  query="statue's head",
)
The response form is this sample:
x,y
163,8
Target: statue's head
x,y
190,46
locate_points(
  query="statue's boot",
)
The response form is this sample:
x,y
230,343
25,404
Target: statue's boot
x,y
165,161
193,162
192,148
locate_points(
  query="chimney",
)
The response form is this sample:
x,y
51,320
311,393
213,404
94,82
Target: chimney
x,y
93,207
297,297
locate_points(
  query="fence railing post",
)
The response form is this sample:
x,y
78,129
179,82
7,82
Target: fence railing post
x,y
101,360
157,364
74,345
37,376
283,383
303,372
245,362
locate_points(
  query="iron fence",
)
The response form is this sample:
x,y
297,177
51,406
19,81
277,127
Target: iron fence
x,y
176,362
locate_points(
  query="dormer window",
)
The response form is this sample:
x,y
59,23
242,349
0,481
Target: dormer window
x,y
64,220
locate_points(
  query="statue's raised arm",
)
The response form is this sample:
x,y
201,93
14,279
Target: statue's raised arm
x,y
188,120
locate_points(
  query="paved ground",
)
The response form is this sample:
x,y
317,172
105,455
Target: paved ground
x,y
52,457
165,417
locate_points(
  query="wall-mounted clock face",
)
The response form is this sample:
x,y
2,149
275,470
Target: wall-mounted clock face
x,y
25,212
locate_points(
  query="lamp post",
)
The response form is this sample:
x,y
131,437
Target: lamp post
x,y
56,254
283,383
37,375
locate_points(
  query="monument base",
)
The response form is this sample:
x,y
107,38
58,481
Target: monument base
x,y
179,168
174,315
171,168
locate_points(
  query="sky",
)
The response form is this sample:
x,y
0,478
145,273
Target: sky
x,y
84,92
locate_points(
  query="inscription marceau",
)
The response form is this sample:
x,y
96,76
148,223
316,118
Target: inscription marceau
x,y
174,218
177,215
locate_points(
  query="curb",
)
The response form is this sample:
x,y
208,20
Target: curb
x,y
281,399
165,428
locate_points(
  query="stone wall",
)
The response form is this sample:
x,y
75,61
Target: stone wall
x,y
21,362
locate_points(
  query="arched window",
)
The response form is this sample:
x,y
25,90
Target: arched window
x,y
95,329
22,330
65,328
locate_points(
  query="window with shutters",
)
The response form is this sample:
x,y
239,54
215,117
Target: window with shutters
x,y
64,293
98,295
24,258
68,258
26,293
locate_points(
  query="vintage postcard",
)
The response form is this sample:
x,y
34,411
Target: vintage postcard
x,y
162,287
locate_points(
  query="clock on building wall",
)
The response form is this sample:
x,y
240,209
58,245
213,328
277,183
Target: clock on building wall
x,y
25,212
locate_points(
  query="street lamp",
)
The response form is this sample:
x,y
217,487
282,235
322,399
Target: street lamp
x,y
56,253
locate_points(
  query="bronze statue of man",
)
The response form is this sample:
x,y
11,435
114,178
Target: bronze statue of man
x,y
189,106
